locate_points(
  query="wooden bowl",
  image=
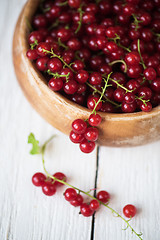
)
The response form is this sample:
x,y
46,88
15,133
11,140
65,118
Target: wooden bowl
x,y
115,130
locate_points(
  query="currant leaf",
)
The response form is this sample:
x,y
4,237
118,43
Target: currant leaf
x,y
35,144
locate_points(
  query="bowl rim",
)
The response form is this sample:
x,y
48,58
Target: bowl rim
x,y
40,78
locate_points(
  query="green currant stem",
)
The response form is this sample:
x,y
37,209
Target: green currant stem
x,y
29,25
57,75
57,56
62,44
103,92
77,57
139,51
32,45
141,99
125,48
80,19
119,85
119,61
63,3
116,40
107,99
81,191
136,21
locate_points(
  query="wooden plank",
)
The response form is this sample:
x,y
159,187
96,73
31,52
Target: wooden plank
x,y
130,175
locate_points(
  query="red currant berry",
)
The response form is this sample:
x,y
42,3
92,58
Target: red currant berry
x,y
38,179
32,54
94,205
55,84
79,126
41,63
132,58
129,211
155,85
87,147
145,93
91,103
85,210
64,34
119,94
94,120
75,137
74,3
82,76
60,176
146,107
103,196
95,78
70,87
78,201
41,47
128,108
36,35
54,65
129,97
150,73
70,194
91,134
49,189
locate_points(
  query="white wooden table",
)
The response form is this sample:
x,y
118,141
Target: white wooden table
x,y
131,175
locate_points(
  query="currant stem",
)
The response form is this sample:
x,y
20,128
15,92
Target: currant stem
x,y
103,92
136,21
62,44
60,58
107,99
81,191
57,75
119,61
63,3
139,51
125,48
32,45
80,19
119,85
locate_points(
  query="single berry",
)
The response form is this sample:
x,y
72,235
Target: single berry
x,y
94,205
94,120
54,65
103,196
55,84
79,126
91,134
49,189
38,179
70,194
87,147
129,211
75,137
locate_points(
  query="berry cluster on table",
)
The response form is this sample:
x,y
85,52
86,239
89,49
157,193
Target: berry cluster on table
x,y
103,55
87,209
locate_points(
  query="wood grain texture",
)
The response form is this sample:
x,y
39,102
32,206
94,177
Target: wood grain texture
x,y
131,175
115,129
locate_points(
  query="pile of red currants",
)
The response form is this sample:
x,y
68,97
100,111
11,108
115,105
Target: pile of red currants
x,y
102,54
